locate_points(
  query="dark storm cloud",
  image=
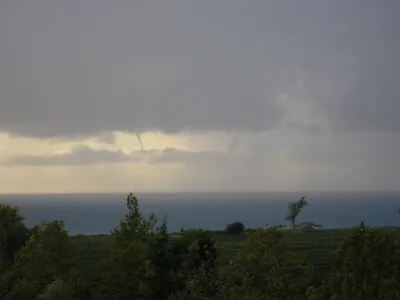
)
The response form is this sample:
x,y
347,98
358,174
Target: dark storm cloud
x,y
70,68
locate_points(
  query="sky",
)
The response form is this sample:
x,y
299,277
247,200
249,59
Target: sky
x,y
192,96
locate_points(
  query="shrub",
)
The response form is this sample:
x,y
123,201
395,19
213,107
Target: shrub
x,y
369,268
268,269
235,228
48,253
57,290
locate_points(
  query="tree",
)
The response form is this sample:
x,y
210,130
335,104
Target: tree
x,y
369,268
161,283
48,254
267,270
235,228
196,273
295,209
179,264
144,262
127,270
57,290
13,234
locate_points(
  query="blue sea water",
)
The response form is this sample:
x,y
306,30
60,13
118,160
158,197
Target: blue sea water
x,y
100,213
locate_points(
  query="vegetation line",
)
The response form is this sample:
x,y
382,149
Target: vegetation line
x,y
139,259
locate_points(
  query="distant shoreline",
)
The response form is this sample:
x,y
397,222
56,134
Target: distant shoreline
x,y
285,229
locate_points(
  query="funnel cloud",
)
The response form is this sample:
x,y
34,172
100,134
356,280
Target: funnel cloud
x,y
140,141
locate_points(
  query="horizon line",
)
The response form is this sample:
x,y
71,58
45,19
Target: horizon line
x,y
203,192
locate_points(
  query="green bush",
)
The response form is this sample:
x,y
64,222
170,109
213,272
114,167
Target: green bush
x,y
369,268
235,228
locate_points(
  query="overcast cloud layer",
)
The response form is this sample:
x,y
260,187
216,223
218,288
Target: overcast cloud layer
x,y
210,95
84,67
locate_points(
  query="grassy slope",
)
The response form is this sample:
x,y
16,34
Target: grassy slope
x,y
319,246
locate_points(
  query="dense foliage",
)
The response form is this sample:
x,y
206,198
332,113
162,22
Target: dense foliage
x,y
143,261
369,269
13,234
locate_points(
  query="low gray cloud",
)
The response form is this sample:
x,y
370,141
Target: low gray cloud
x,y
360,95
78,156
172,155
70,68
87,156
304,128
107,138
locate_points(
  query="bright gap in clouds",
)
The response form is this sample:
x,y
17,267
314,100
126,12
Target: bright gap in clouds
x,y
282,160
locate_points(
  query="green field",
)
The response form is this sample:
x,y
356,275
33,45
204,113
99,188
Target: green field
x,y
319,247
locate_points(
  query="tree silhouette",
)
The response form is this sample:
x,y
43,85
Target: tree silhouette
x,y
295,209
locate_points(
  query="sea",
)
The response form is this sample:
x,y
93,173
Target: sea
x,y
100,213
